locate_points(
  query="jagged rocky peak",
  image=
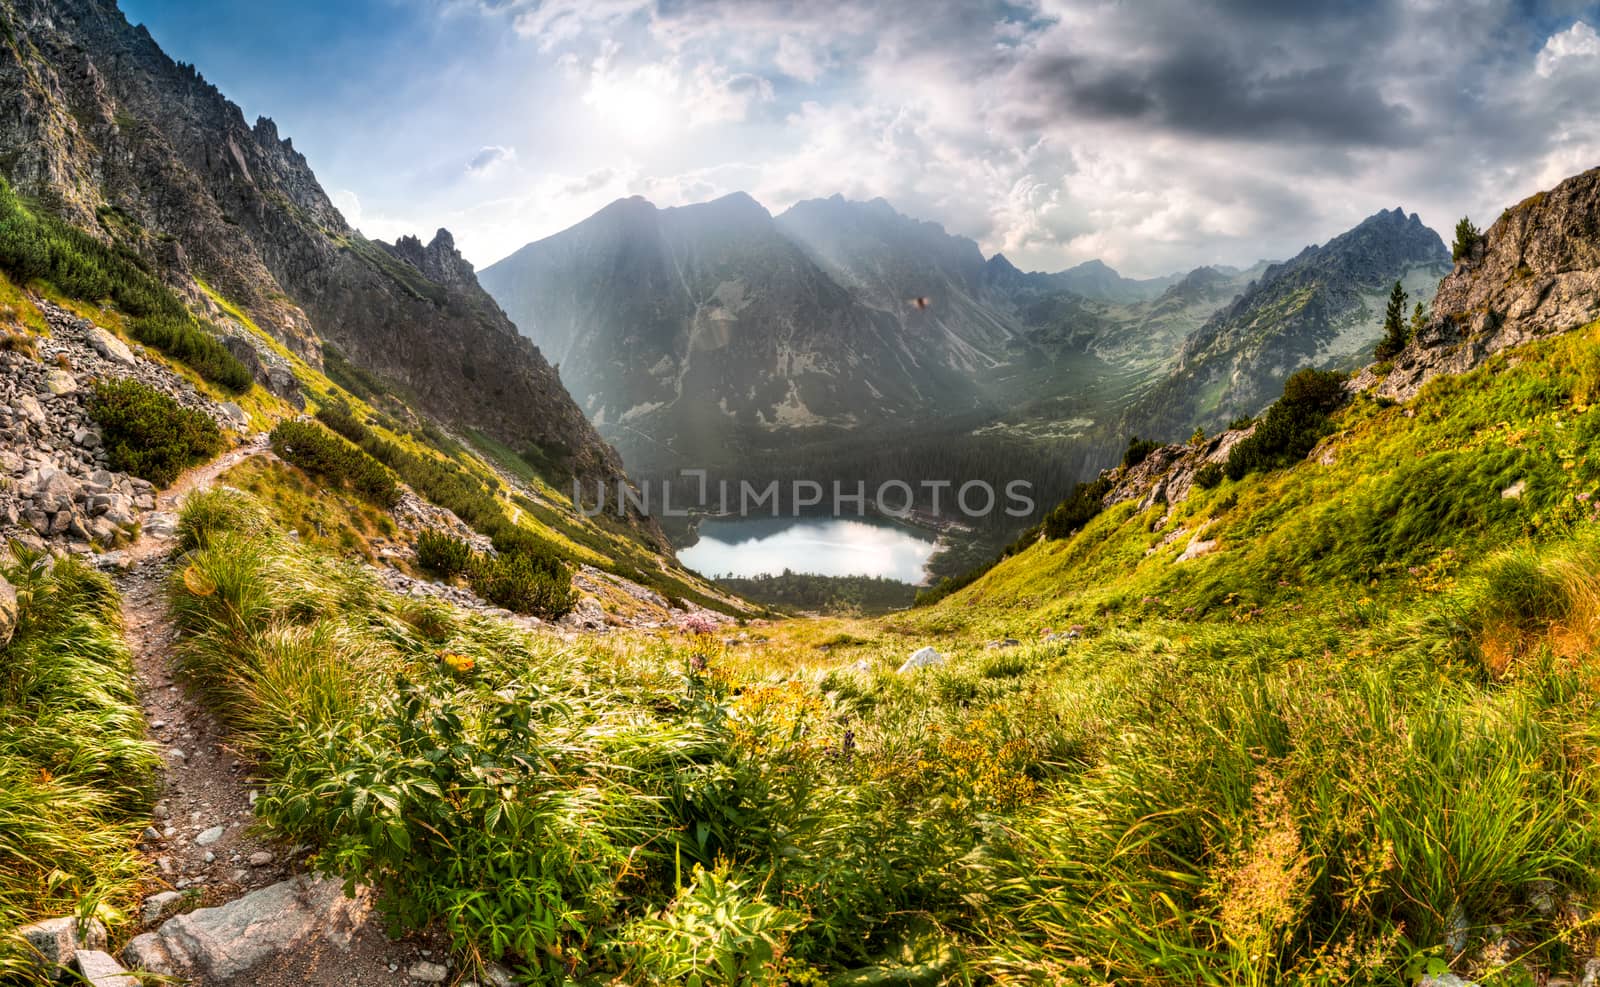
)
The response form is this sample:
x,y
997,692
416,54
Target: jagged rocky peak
x,y
1535,272
439,259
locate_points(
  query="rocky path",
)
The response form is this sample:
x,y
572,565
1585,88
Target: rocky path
x,y
249,913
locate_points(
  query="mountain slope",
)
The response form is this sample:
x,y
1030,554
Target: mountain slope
x,y
1324,308
121,140
685,330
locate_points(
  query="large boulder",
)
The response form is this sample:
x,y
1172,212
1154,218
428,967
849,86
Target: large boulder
x,y
233,939
111,347
55,942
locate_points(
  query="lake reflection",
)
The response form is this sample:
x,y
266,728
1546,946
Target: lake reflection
x,y
823,546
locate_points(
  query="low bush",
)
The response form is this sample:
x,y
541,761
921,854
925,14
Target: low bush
x,y
442,553
1292,426
1138,451
524,582
1208,476
182,338
317,450
1079,508
37,246
150,435
339,417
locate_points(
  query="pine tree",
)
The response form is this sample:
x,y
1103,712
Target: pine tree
x,y
1395,331
1467,237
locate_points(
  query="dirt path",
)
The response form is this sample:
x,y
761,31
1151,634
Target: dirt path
x,y
202,841
204,785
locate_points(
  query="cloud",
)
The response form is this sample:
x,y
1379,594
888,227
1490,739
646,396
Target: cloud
x,y
1578,42
490,159
349,206
1159,135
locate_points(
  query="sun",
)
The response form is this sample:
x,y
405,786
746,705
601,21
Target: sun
x,y
637,106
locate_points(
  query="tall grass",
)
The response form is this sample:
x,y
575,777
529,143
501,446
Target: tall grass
x,y
76,778
1292,801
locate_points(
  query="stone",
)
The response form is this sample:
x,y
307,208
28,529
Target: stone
x,y
157,904
261,858
56,941
111,347
100,970
1591,974
1002,645
1446,980
235,415
28,406
147,954
922,658
1515,491
231,940
428,972
59,382
8,611
210,836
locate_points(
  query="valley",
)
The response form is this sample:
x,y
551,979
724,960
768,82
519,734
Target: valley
x,y
349,634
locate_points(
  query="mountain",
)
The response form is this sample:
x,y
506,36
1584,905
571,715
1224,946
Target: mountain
x,y
108,132
687,331
1324,308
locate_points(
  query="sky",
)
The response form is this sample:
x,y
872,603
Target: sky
x,y
1156,135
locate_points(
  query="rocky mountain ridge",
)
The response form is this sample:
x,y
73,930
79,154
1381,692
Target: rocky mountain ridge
x,y
1323,308
1534,273
144,152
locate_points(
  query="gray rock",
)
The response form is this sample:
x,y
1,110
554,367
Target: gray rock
x,y
1446,980
147,954
28,406
235,415
433,973
100,970
8,611
157,904
56,941
922,658
59,382
211,836
111,347
260,858
232,939
1591,974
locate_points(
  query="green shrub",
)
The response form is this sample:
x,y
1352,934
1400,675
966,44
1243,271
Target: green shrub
x,y
317,450
1138,451
1467,239
523,582
1208,476
339,417
442,553
1292,426
34,246
149,434
180,337
1081,506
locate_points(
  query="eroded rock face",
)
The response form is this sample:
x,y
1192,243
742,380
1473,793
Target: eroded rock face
x,y
1535,273
100,115
59,489
232,939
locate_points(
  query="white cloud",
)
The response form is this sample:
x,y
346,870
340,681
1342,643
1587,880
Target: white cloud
x,y
1578,42
348,205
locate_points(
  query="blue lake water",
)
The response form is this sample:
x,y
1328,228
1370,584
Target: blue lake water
x,y
823,546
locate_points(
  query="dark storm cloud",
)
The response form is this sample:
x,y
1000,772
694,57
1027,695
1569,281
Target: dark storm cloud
x,y
1233,69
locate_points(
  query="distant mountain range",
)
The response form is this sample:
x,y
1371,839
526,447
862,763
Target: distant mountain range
x,y
702,332
1324,308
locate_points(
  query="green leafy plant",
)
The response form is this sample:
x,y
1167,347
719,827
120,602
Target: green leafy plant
x,y
316,450
149,434
1466,240
442,553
